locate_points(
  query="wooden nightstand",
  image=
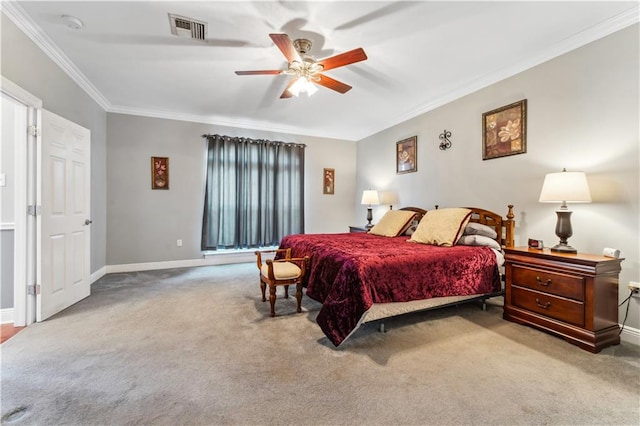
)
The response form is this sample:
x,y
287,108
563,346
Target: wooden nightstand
x,y
574,296
358,229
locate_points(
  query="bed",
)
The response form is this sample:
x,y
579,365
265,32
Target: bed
x,y
360,277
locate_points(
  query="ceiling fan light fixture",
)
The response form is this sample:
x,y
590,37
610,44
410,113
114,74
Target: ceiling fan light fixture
x,y
305,71
311,88
302,85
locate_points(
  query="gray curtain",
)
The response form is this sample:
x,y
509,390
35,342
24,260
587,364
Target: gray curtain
x,y
254,192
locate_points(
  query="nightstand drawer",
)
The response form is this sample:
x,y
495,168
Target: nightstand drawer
x,y
570,286
566,310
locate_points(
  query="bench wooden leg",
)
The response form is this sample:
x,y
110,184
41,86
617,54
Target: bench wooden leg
x,y
272,299
286,291
299,296
263,287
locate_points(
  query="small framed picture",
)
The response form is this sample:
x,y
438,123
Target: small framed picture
x,y
159,172
504,131
407,155
329,181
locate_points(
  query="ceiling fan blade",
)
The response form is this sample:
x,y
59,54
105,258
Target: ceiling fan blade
x,y
286,93
285,45
332,84
259,72
350,57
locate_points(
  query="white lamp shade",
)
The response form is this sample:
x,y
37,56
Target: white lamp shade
x,y
388,197
570,187
370,197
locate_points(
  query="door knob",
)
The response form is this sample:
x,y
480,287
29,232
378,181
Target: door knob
x,y
88,222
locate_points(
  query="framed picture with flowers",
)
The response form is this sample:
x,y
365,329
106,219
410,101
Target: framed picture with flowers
x,y
407,155
504,131
329,181
159,172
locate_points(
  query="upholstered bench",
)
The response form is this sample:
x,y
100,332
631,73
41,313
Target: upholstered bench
x,y
283,271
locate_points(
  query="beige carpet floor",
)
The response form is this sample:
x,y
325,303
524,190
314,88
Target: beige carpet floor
x,y
196,346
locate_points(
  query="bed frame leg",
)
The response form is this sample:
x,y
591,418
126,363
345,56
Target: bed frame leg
x,y
484,305
381,329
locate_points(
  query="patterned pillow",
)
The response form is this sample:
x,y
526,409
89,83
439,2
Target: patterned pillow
x,y
393,223
442,227
479,240
474,228
412,228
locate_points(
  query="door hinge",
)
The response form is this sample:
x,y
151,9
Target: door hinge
x,y
33,290
33,210
33,131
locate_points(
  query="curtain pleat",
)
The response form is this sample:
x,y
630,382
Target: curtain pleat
x,y
254,192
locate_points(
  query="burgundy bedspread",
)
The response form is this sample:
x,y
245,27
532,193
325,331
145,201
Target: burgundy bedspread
x,y
349,272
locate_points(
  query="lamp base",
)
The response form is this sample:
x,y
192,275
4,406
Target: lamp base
x,y
563,248
369,225
563,231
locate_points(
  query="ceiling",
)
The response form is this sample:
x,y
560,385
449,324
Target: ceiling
x,y
420,55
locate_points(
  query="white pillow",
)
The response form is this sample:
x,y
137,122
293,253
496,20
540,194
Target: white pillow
x,y
475,228
478,240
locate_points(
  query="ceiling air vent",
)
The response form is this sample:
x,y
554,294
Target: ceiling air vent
x,y
187,27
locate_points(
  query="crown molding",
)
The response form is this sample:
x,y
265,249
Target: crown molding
x,y
37,35
32,30
224,121
596,32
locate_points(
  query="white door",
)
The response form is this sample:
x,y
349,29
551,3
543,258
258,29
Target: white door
x,y
64,242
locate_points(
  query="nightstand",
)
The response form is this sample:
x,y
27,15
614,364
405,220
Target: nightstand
x,y
573,296
358,229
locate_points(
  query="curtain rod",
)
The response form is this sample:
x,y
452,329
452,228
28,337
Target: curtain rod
x,y
301,145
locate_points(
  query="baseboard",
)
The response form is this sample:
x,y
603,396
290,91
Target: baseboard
x,y
6,315
97,275
630,335
209,260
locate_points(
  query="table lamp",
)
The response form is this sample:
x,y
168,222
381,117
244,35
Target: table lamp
x,y
564,187
370,198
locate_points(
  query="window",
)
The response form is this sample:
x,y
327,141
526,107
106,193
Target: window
x,y
254,192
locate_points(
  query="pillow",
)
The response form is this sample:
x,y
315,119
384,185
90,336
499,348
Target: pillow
x,y
474,228
393,223
479,240
411,229
441,227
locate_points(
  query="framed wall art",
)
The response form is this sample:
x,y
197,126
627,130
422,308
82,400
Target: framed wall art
x,y
329,181
407,155
504,131
159,172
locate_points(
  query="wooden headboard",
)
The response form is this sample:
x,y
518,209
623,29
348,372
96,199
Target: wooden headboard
x,y
504,227
419,212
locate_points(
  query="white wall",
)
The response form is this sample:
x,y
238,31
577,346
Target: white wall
x,y
582,114
7,160
7,197
144,224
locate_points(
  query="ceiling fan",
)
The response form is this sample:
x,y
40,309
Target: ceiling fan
x,y
305,70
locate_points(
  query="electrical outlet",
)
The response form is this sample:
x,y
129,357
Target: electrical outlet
x,y
179,243
634,288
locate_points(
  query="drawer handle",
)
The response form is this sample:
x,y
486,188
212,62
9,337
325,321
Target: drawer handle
x,y
545,306
544,283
